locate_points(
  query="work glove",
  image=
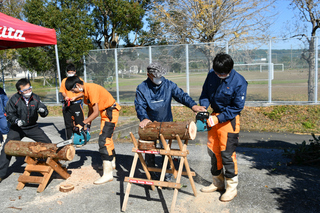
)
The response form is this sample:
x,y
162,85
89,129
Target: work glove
x,y
40,110
21,123
213,120
88,127
79,127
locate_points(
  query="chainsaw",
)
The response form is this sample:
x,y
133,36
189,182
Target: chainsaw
x,y
201,121
79,137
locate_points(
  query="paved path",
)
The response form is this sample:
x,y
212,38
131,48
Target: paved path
x,y
266,183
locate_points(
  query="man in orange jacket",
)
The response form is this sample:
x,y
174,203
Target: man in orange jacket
x,y
100,101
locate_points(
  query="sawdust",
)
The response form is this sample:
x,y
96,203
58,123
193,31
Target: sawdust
x,y
81,178
203,202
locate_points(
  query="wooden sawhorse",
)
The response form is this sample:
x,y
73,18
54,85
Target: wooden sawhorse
x,y
45,168
168,152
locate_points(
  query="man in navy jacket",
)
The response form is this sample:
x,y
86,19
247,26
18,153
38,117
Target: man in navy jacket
x,y
225,90
153,100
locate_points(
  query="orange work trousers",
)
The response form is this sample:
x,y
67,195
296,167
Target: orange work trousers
x,y
223,138
109,119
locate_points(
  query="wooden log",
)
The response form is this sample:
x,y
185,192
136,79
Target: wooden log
x,y
39,150
146,145
185,129
66,188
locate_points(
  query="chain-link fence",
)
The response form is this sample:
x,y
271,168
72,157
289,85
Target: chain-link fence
x,y
276,70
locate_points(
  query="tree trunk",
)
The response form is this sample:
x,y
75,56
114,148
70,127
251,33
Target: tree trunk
x,y
185,129
39,150
311,77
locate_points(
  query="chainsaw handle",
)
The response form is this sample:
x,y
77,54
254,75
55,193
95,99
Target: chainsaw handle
x,y
202,115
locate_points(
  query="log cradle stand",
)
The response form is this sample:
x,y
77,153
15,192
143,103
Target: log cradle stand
x,y
42,158
162,131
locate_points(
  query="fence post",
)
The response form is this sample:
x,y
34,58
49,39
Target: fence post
x,y
187,68
270,74
58,71
116,68
84,69
316,72
150,55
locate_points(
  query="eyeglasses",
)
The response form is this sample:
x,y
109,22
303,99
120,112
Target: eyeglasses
x,y
26,90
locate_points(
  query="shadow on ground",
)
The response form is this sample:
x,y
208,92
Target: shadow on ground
x,y
301,192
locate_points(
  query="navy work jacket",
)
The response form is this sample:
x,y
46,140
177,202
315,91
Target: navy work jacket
x,y
226,96
153,102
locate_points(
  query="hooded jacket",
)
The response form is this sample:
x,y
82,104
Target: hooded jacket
x,y
226,96
153,102
17,109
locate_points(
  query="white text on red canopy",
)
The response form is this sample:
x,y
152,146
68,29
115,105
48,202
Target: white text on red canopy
x,y
11,33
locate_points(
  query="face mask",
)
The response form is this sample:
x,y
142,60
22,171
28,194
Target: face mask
x,y
80,89
27,95
157,81
70,75
224,76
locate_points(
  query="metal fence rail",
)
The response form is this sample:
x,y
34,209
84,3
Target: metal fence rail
x,y
275,69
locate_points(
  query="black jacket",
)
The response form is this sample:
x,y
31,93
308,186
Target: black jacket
x,y
17,109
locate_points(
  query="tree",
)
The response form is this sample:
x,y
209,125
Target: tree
x,y
208,21
309,14
117,18
11,8
193,21
73,27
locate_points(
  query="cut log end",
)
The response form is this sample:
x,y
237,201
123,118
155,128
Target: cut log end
x,y
66,188
71,152
192,130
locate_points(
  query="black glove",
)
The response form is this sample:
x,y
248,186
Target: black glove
x,y
88,127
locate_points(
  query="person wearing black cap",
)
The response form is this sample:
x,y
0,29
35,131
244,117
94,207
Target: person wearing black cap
x,y
153,100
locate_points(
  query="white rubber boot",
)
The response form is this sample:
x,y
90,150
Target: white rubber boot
x,y
113,164
231,190
107,173
217,184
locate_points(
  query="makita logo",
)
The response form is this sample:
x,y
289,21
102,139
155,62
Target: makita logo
x,y
11,33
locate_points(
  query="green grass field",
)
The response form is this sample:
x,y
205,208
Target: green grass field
x,y
286,86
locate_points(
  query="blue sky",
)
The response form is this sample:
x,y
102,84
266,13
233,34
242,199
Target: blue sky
x,y
285,15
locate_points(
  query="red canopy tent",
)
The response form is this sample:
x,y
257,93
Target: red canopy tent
x,y
15,33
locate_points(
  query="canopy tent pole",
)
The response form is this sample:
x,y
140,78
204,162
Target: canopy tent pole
x,y
58,70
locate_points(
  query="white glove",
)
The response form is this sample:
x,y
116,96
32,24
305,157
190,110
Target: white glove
x,y
41,110
21,123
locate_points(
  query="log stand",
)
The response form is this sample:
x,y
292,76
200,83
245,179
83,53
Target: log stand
x,y
168,152
46,168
